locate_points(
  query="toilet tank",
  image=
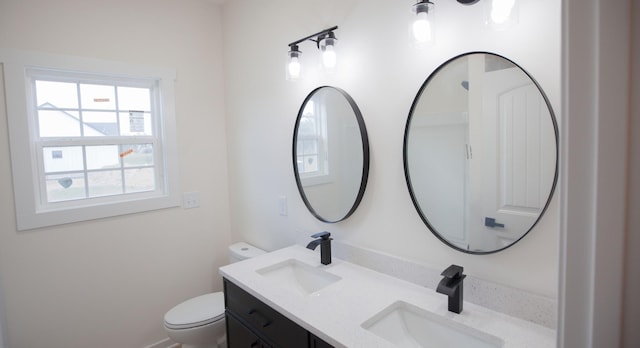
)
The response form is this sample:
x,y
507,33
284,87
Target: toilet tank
x,y
242,251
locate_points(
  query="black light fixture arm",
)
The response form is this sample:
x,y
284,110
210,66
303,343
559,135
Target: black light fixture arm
x,y
318,36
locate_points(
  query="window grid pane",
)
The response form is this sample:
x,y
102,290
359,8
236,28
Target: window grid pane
x,y
139,180
104,183
102,157
97,97
136,155
100,123
307,155
63,159
58,123
56,95
65,187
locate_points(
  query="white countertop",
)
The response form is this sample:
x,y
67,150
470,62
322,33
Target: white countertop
x,y
335,313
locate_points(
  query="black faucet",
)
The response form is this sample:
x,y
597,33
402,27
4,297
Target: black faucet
x,y
325,246
451,285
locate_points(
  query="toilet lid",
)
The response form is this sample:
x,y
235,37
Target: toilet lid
x,y
197,311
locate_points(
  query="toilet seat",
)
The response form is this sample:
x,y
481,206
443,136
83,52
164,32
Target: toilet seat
x,y
198,311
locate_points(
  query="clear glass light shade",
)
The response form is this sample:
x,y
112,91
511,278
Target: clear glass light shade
x,y
328,48
502,14
329,57
421,28
501,10
421,24
293,67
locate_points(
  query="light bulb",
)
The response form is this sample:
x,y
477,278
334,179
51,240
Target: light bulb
x,y
327,44
501,10
421,28
329,57
293,68
293,63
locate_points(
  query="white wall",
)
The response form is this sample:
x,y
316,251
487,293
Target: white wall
x,y
3,325
383,73
108,283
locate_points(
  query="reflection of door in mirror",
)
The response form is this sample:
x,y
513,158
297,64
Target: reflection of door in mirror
x,y
509,132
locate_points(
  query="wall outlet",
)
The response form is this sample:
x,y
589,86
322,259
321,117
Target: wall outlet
x,y
190,200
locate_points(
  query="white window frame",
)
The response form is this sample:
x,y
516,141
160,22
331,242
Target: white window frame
x,y
31,210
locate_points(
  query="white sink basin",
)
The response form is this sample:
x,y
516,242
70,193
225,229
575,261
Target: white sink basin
x,y
406,325
298,277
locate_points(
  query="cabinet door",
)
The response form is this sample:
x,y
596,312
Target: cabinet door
x,y
238,336
272,326
315,342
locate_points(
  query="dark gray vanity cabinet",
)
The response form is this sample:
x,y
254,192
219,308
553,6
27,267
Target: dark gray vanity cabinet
x,y
315,342
253,324
241,335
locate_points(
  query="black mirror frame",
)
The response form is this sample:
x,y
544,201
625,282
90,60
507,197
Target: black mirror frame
x,y
365,155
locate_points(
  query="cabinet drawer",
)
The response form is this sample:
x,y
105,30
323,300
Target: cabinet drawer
x,y
239,336
272,326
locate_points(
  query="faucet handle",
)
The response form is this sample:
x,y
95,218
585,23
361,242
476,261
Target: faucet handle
x,y
453,271
324,235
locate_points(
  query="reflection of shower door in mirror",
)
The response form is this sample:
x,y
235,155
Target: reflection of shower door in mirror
x,y
443,173
515,131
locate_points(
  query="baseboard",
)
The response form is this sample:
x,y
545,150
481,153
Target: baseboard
x,y
165,343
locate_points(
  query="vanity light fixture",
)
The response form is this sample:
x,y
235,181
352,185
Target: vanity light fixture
x,y
325,41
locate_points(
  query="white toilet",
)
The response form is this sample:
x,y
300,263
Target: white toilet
x,y
199,322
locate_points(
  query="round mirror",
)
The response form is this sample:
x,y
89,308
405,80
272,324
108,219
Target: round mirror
x,y
481,152
330,154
